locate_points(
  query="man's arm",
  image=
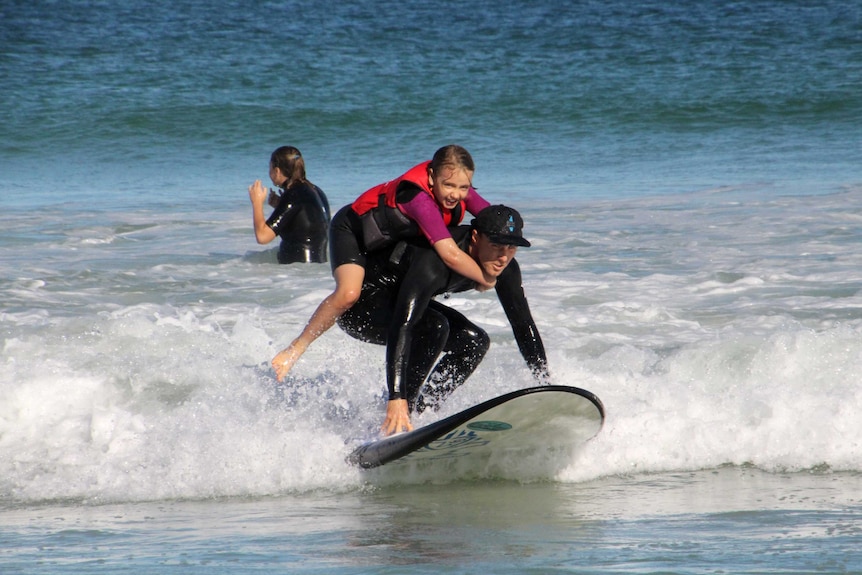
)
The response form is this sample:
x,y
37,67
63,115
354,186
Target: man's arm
x,y
425,277
514,302
262,232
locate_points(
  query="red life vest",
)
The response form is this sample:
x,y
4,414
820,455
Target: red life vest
x,y
417,175
382,221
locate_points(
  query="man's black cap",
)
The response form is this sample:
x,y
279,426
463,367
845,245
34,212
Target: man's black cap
x,y
502,225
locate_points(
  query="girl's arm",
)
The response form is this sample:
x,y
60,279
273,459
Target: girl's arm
x,y
474,202
262,232
458,261
424,211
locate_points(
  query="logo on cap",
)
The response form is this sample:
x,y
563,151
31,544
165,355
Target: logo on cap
x,y
502,224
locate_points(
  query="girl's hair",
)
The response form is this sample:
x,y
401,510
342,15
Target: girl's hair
x,y
290,162
452,156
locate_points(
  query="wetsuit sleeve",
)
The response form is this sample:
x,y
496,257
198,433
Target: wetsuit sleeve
x,y
423,210
514,302
324,201
283,213
474,202
426,276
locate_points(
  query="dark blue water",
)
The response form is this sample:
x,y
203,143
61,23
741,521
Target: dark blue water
x,y
147,99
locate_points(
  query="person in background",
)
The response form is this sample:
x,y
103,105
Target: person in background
x,y
301,215
431,349
424,201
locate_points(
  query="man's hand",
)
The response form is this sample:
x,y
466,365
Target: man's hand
x,y
397,417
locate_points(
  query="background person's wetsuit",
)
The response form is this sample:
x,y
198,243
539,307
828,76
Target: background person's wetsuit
x,y
301,220
396,309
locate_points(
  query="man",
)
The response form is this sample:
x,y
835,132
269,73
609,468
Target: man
x,y
396,308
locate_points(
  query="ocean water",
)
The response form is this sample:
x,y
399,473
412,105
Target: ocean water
x,y
690,175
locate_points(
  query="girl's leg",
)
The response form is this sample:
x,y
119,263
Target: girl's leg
x,y
348,286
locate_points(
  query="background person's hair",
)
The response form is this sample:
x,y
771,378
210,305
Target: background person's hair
x,y
289,160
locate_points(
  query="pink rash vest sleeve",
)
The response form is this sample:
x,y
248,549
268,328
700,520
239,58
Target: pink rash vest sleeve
x,y
423,210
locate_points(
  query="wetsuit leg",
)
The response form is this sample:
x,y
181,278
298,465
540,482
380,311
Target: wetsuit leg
x,y
441,330
368,320
465,348
344,245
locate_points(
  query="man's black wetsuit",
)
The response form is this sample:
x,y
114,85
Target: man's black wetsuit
x,y
396,309
301,219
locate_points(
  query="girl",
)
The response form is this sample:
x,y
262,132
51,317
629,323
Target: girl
x,y
301,214
426,199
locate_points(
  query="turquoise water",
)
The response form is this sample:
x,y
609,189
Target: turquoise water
x,y
678,523
691,180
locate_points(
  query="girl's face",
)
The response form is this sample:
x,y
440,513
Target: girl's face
x,y
450,186
276,176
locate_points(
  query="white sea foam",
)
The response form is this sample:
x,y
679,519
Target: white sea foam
x,y
715,332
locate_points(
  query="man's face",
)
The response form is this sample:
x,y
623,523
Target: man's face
x,y
492,258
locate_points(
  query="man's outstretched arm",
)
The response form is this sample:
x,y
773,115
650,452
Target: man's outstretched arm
x,y
511,293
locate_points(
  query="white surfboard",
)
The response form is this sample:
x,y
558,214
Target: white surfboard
x,y
546,418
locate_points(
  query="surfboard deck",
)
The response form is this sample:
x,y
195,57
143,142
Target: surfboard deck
x,y
536,418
